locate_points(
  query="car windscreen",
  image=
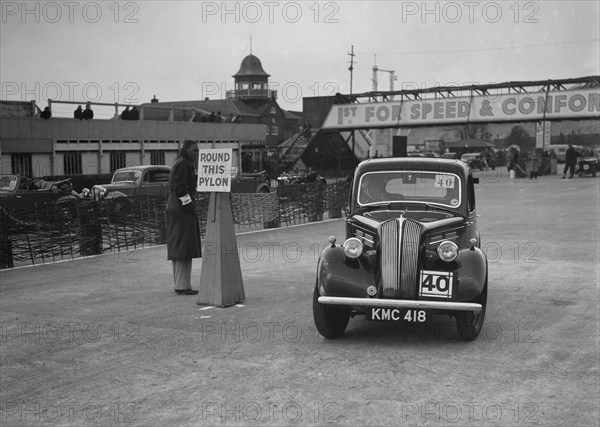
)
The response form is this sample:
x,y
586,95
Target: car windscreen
x,y
127,176
8,183
435,187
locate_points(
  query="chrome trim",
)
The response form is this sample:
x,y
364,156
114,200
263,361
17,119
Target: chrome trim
x,y
390,257
401,303
400,257
411,236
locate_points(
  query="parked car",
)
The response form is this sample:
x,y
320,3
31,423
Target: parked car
x,y
23,193
412,249
251,183
136,180
587,166
474,160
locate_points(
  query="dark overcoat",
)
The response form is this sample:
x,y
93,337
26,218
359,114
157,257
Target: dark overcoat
x,y
183,231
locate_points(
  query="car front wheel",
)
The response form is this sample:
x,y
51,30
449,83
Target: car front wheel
x,y
469,323
330,320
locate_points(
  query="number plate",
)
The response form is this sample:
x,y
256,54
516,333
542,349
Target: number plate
x,y
436,284
398,314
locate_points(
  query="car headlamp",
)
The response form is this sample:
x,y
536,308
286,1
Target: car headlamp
x,y
353,247
447,251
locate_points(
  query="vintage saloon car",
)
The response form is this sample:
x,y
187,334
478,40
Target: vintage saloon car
x,y
135,181
412,249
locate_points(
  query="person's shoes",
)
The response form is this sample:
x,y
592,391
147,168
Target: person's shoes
x,y
563,177
186,292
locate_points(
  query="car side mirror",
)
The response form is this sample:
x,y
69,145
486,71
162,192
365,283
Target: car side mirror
x,y
475,180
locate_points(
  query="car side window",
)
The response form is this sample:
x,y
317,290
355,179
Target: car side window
x,y
158,176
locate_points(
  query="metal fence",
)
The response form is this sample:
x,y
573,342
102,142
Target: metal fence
x,y
60,231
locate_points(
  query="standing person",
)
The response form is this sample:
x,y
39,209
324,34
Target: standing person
x,y
78,113
125,115
88,113
134,114
570,161
537,163
183,231
46,114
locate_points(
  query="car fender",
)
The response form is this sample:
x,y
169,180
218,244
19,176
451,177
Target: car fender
x,y
263,188
471,274
339,275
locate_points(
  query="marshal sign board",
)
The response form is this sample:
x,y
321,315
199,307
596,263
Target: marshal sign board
x,y
581,103
214,170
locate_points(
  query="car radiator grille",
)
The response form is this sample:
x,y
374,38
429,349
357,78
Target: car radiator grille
x,y
399,258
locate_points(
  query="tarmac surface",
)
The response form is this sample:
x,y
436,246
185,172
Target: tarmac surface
x,y
106,341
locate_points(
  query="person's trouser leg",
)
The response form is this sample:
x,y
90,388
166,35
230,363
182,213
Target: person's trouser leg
x,y
182,274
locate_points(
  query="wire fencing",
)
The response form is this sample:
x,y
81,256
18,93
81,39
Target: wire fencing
x,y
52,232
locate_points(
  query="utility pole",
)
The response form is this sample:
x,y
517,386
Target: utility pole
x,y
351,68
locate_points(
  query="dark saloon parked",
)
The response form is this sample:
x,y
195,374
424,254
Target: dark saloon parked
x,y
412,249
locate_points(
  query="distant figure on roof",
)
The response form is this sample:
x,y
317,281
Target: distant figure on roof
x,y
212,118
125,115
78,113
88,113
219,117
135,114
46,114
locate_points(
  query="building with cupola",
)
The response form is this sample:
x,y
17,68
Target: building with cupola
x,y
252,101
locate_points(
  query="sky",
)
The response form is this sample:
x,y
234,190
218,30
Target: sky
x,y
130,51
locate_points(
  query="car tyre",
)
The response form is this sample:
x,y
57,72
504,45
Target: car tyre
x,y
469,324
330,320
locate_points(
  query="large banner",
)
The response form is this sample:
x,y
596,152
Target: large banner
x,y
581,103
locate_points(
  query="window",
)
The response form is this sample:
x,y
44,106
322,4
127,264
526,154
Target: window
x,y
274,130
157,157
158,176
72,163
117,160
21,164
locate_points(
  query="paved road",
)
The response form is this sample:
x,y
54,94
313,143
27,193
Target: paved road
x,y
106,341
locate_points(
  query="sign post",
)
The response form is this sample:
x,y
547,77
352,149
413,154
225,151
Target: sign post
x,y
221,282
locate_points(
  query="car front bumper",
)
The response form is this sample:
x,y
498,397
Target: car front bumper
x,y
398,303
